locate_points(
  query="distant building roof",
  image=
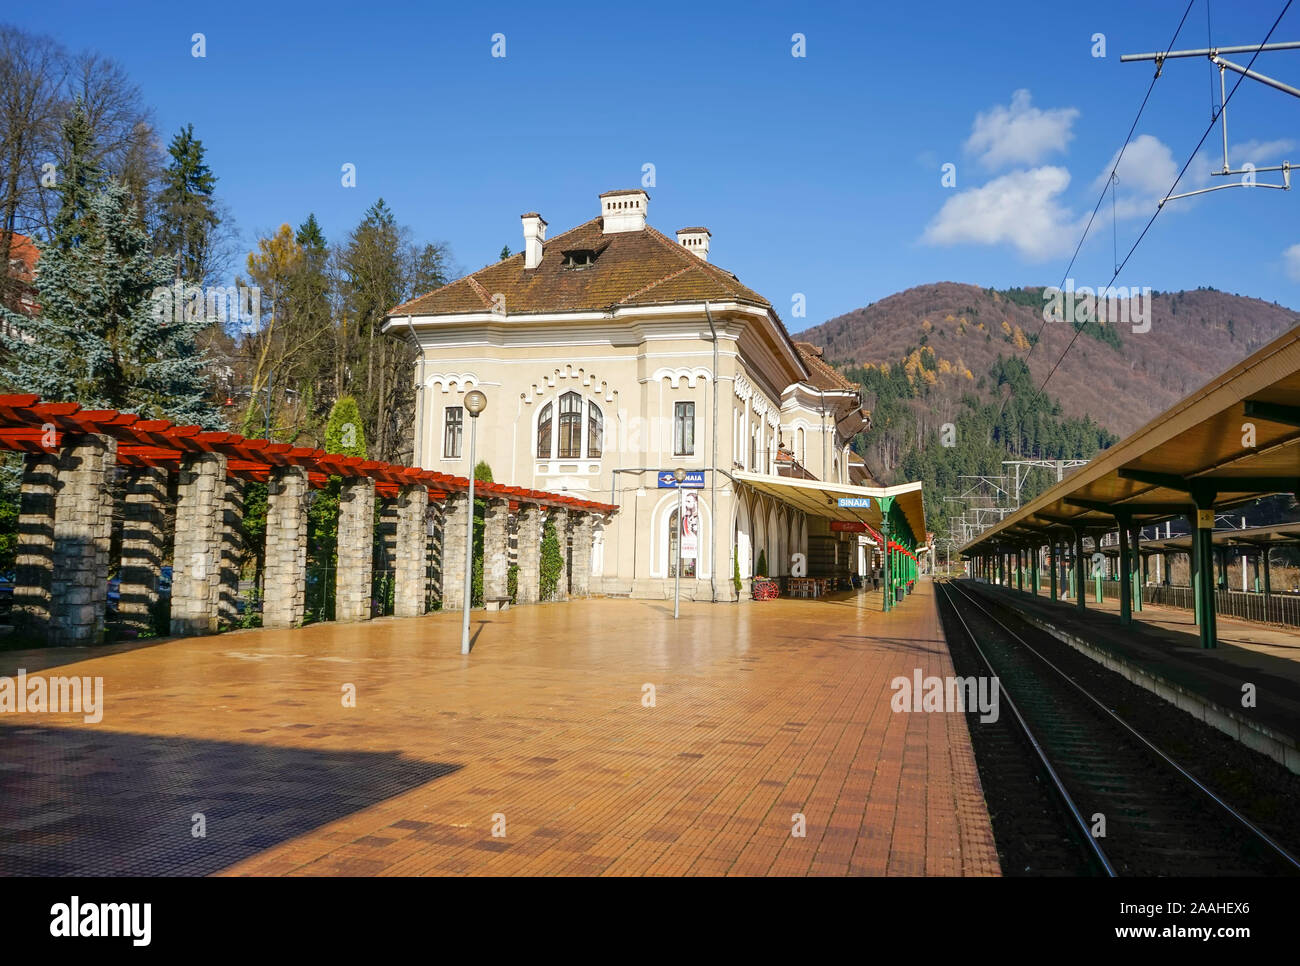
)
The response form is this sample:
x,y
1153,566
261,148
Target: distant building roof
x,y
22,258
824,375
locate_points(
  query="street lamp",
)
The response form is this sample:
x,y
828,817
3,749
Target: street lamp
x,y
679,475
475,403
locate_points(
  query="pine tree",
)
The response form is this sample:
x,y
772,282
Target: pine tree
x,y
79,180
187,214
108,336
505,252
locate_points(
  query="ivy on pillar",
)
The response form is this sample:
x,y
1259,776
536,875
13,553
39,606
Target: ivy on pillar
x,y
354,579
412,551
529,537
285,575
496,550
560,520
83,528
142,546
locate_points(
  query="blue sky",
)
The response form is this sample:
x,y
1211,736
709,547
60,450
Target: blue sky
x,y
818,175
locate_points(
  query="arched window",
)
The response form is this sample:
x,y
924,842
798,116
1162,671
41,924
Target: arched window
x,y
570,426
595,431
802,447
544,433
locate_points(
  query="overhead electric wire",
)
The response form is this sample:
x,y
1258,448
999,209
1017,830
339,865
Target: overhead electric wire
x,y
1108,185
1159,208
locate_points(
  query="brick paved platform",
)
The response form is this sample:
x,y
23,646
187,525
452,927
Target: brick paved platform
x,y
761,710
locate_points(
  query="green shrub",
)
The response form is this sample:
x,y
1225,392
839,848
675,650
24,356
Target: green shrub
x,y
552,562
761,569
735,577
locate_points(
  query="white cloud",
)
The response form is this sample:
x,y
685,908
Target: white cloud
x,y
1259,153
1020,208
1145,174
1291,259
1020,133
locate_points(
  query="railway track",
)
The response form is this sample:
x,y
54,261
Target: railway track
x,y
1158,818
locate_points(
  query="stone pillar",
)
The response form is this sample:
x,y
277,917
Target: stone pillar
x,y
83,528
412,550
496,549
196,552
142,546
356,548
454,518
232,551
530,553
581,529
285,576
560,518
34,564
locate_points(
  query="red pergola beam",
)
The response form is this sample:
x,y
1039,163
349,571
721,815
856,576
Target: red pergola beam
x,y
24,420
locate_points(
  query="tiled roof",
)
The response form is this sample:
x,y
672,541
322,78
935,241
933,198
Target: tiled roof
x,y
631,268
24,252
824,375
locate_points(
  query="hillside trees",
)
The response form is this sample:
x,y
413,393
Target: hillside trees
x,y
908,417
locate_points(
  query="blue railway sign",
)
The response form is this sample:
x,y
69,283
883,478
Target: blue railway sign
x,y
694,480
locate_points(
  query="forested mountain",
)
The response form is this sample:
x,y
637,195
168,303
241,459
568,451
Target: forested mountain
x,y
972,359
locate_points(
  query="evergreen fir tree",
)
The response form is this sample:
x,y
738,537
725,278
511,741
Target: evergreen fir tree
x,y
79,180
187,215
104,338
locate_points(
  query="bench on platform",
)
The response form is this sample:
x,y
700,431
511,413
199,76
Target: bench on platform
x,y
497,603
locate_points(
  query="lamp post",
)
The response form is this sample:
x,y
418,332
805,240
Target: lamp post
x,y
679,475
475,403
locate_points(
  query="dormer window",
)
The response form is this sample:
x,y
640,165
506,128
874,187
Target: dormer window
x,y
579,258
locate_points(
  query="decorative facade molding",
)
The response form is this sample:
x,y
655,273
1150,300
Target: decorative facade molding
x,y
690,374
742,387
561,378
462,381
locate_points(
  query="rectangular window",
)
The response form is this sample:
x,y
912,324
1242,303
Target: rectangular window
x,y
684,429
452,433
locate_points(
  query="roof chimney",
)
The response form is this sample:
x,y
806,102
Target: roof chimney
x,y
623,210
534,235
695,240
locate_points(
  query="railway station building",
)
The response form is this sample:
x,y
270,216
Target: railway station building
x,y
613,355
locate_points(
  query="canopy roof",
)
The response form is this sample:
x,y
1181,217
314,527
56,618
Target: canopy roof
x,y
1201,446
31,426
821,499
1270,536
